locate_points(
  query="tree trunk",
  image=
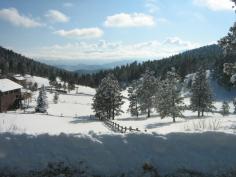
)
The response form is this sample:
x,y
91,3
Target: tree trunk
x,y
173,119
202,113
148,112
198,113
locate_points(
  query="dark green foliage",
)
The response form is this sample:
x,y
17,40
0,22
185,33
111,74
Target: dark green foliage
x,y
168,98
201,98
234,103
225,108
134,99
11,62
108,99
42,103
185,63
147,91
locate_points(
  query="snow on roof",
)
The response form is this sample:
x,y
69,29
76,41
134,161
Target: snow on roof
x,y
7,85
19,78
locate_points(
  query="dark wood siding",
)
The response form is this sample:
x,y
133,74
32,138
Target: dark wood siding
x,y
9,100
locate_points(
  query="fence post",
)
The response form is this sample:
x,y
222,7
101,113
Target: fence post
x,y
130,128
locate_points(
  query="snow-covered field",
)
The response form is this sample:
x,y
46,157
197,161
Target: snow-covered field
x,y
70,133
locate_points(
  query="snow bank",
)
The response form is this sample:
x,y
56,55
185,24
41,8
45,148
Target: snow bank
x,y
207,152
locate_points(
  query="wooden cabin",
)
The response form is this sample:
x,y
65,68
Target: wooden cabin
x,y
10,95
19,79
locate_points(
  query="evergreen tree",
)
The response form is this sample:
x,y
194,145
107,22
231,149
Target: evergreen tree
x,y
42,103
107,101
228,43
201,98
133,97
225,108
71,86
147,91
56,98
64,86
234,103
169,101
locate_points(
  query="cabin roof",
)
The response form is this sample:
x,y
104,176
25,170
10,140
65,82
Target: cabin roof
x,y
19,77
8,85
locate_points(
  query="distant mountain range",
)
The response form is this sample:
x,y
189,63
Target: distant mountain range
x,y
86,66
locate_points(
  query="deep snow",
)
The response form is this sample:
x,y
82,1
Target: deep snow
x,y
70,133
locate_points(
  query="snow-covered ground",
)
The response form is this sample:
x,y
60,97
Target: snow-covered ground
x,y
70,133
39,80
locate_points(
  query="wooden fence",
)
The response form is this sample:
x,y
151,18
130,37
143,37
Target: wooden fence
x,y
117,127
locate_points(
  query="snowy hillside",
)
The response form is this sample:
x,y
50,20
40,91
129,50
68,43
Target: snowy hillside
x,y
70,133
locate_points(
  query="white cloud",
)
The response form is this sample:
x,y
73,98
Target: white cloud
x,y
114,50
57,16
215,5
12,16
81,33
152,6
129,20
177,42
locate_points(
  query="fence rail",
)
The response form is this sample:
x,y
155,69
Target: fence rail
x,y
117,127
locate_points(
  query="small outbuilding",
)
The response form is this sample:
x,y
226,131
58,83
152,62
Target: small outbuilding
x,y
18,79
10,95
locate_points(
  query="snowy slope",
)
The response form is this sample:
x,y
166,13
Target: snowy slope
x,y
35,124
70,134
39,80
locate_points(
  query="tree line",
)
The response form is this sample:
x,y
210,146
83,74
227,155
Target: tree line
x,y
149,93
13,63
208,57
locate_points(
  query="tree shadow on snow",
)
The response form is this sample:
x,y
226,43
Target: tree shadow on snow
x,y
141,118
157,125
83,119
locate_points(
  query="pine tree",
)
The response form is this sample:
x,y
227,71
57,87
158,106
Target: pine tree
x,y
71,86
107,101
228,43
147,92
42,103
169,101
133,97
201,98
55,97
234,103
64,86
225,108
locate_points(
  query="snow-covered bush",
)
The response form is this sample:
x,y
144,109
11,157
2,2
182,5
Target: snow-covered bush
x,y
205,125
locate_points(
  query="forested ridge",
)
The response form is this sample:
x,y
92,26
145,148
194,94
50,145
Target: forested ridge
x,y
208,57
11,62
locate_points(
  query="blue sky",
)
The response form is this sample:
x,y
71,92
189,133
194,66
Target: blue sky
x,y
111,29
